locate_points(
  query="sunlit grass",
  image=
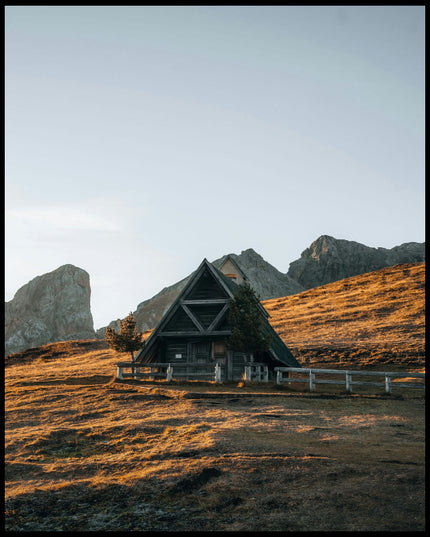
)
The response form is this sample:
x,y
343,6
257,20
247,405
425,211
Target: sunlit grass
x,y
86,452
371,319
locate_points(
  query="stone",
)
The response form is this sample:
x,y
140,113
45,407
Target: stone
x,y
52,307
265,279
329,259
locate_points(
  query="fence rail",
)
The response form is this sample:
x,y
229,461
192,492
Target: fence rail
x,y
348,380
256,371
169,371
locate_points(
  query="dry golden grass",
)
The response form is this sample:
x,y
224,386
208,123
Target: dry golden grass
x,y
371,320
86,452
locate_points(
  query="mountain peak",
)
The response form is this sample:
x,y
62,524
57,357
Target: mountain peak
x,y
328,259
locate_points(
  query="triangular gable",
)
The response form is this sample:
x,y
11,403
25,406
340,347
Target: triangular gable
x,y
214,278
228,262
180,320
207,285
206,315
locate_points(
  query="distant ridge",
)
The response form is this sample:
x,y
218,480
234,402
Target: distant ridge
x,y
56,306
328,260
325,261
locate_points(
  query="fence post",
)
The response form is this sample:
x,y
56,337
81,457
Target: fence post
x,y
311,381
136,372
348,384
169,373
247,372
119,372
278,377
266,374
387,384
217,372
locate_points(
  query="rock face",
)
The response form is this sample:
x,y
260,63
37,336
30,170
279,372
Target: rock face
x,y
52,307
329,259
264,278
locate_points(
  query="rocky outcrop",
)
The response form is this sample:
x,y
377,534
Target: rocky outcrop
x,y
52,307
329,259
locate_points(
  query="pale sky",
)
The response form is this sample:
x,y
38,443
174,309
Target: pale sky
x,y
140,140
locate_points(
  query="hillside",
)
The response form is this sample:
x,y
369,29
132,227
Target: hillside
x,y
374,319
371,320
86,452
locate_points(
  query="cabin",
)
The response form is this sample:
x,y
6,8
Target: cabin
x,y
193,332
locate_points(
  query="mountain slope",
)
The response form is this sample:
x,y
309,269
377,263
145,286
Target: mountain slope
x,y
375,318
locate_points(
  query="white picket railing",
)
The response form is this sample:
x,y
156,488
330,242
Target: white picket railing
x,y
348,380
169,371
258,372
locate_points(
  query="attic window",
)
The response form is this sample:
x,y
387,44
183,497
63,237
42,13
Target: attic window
x,y
232,276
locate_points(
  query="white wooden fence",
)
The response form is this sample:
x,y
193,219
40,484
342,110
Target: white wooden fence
x,y
258,372
348,378
169,371
255,371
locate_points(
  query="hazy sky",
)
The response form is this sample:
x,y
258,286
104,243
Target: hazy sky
x,y
140,140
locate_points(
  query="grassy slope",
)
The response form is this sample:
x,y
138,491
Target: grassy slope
x,y
85,452
372,320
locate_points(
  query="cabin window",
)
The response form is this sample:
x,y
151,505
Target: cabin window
x,y
202,348
232,276
219,348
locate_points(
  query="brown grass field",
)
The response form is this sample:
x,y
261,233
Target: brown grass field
x,y
85,452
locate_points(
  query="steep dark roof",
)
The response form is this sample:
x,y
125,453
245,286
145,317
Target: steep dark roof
x,y
278,350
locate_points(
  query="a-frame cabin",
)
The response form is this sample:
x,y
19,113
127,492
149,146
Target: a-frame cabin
x,y
195,328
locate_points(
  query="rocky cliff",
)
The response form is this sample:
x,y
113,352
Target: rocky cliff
x,y
52,307
265,279
328,260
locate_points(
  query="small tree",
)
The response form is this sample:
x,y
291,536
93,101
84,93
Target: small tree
x,y
128,339
246,323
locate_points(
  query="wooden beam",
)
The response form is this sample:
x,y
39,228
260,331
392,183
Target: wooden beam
x,y
205,301
218,317
192,317
195,334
